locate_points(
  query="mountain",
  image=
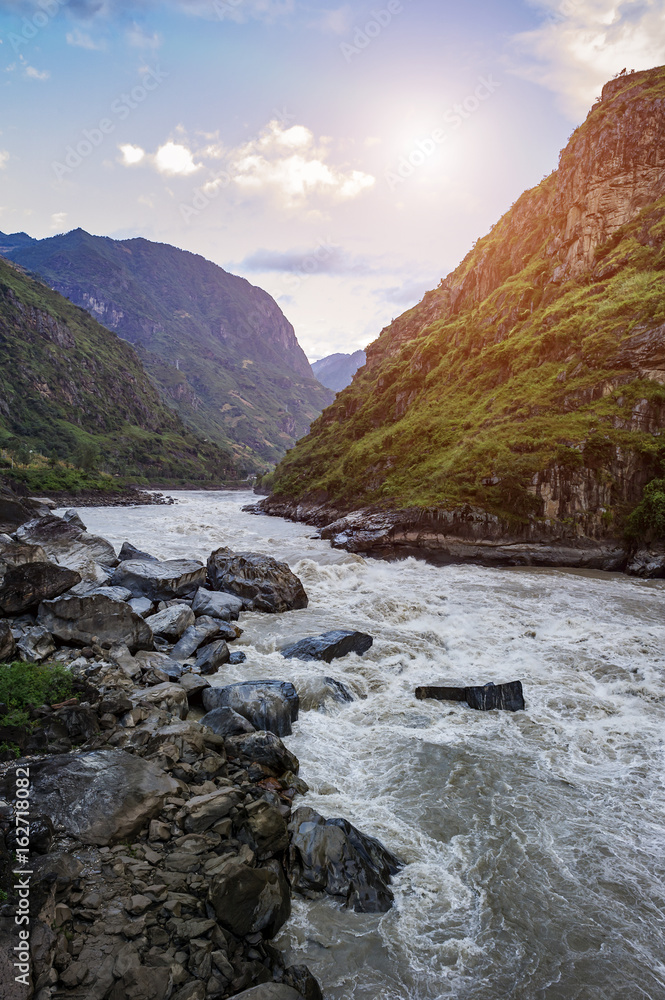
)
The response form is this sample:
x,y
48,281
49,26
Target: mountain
x,y
219,350
522,402
66,382
337,370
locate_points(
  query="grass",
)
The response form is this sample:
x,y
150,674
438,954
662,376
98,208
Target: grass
x,y
25,684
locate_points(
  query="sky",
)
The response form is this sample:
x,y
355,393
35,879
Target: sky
x,y
343,156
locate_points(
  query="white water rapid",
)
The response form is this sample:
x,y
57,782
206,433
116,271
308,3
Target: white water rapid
x,y
534,842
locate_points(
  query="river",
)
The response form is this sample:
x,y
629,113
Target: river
x,y
534,842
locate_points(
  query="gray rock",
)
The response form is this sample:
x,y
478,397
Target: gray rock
x,y
160,581
98,797
315,693
269,991
36,644
210,658
203,811
7,643
167,696
25,586
80,722
329,646
508,697
265,828
71,546
84,620
217,604
172,621
129,551
263,583
142,606
14,510
265,749
196,635
236,657
115,593
72,517
332,856
269,705
194,686
226,722
250,900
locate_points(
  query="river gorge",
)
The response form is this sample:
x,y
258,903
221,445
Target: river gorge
x,y
534,842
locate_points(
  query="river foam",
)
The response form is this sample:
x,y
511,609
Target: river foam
x,y
535,842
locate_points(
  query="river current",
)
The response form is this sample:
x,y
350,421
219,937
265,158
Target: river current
x,y
534,842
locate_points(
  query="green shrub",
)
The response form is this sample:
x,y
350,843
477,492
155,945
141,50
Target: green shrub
x,y
647,521
23,684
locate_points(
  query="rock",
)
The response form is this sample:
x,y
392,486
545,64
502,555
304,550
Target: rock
x,y
36,644
99,796
172,621
203,811
263,583
129,551
167,696
236,657
301,979
71,546
269,705
316,692
194,686
17,554
226,722
7,643
192,991
266,749
80,722
26,586
210,658
142,606
250,900
160,581
83,621
115,593
195,636
217,604
162,662
142,982
265,828
14,510
329,646
508,697
332,856
269,991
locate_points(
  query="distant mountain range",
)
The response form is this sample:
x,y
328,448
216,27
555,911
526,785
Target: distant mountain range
x,y
337,370
218,349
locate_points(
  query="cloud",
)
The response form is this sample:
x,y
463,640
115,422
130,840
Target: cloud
x,y
82,40
174,159
289,163
337,21
139,39
58,220
407,293
4,158
581,44
131,155
211,10
326,258
35,74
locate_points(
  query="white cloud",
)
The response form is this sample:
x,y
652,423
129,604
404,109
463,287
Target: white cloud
x,y
58,220
338,21
131,155
174,159
583,43
4,158
82,40
139,39
35,74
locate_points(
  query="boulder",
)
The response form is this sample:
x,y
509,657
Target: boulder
x,y
315,693
250,900
194,686
263,583
7,643
36,644
217,604
508,697
203,811
71,546
25,586
167,696
264,827
269,705
160,581
142,606
265,749
210,658
332,856
236,657
115,593
18,554
15,510
83,621
99,796
269,991
172,621
129,551
159,662
329,646
196,635
226,722
80,722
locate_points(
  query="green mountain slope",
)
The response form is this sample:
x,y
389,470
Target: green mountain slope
x,y
219,350
67,382
531,382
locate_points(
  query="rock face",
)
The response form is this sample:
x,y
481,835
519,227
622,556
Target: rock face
x,y
99,797
84,620
71,546
14,510
251,900
24,587
329,646
269,705
160,581
337,370
35,644
332,856
508,697
7,643
263,583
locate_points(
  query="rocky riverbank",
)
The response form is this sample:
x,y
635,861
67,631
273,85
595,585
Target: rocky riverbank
x,y
161,847
466,535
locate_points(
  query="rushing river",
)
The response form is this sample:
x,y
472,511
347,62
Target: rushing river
x,y
534,843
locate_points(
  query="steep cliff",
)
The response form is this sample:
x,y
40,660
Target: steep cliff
x,y
525,396
219,350
67,382
337,370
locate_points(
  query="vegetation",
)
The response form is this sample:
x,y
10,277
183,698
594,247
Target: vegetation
x,y
24,684
648,518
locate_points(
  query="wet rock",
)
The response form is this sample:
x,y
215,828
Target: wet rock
x,y
210,658
80,722
14,510
142,983
265,828
194,686
167,696
217,604
115,593
172,621
266,749
83,621
195,636
41,836
153,660
160,581
508,697
302,980
99,796
203,811
70,546
236,657
226,722
263,583
332,856
329,646
250,900
7,643
270,991
269,705
129,551
25,586
317,692
36,644
142,606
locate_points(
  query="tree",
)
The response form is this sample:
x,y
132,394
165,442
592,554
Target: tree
x,y
86,456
